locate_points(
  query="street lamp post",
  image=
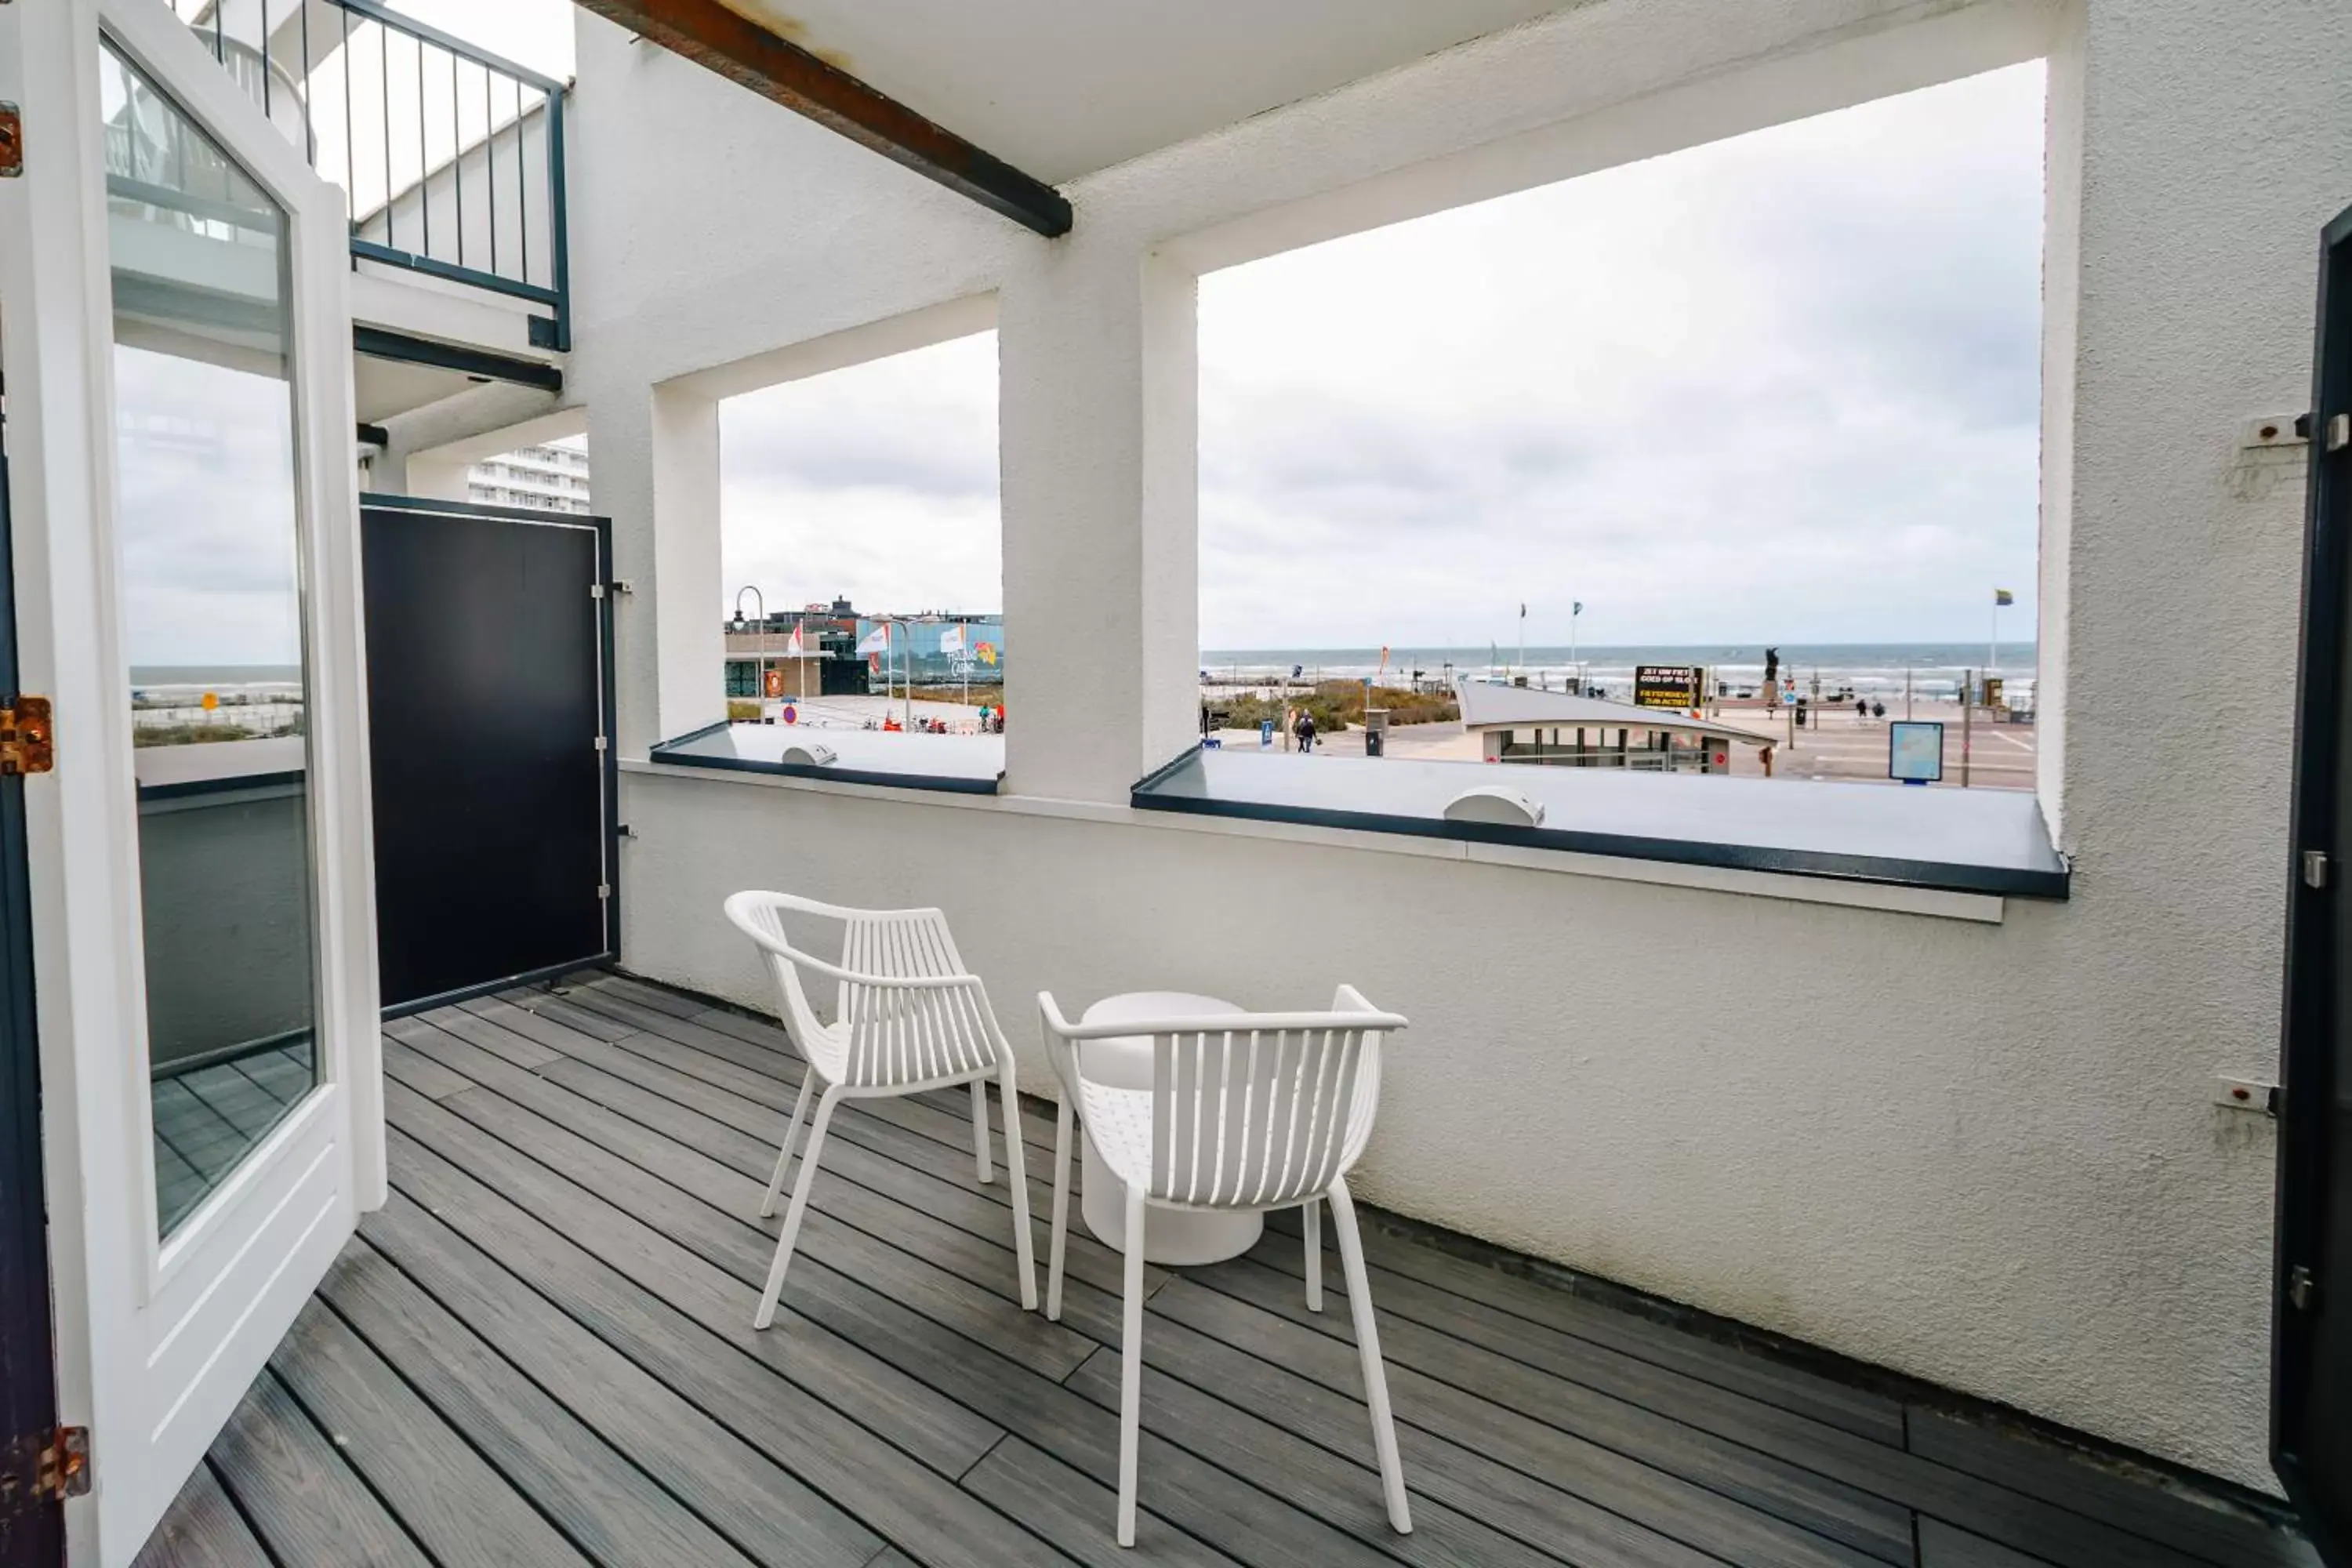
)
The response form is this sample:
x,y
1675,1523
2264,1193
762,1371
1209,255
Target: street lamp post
x,y
759,655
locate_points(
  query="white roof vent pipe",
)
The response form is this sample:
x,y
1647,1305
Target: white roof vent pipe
x,y
809,754
1496,805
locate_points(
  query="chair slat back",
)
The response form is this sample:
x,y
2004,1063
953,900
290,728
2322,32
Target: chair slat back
x,y
1250,1117
899,1035
801,1020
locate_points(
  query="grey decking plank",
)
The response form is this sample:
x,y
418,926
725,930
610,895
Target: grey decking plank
x,y
847,1465
1036,1130
235,1097
303,1502
1272,1324
523,1021
1201,1499
1552,1473
1943,1545
648,1091
1517,1362
179,1186
1069,1508
617,1514
2045,1472
1793,1388
285,1073
963,1281
567,1010
1982,1507
461,1510
768,1513
650,993
945,1116
202,1135
472,1027
567,1182
421,1072
1508,1522
202,1529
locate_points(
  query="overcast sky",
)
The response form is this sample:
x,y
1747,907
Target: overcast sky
x,y
1784,387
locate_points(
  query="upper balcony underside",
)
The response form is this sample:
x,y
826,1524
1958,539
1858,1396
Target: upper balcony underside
x,y
540,1352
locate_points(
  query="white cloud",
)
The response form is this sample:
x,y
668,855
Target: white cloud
x,y
1784,388
877,482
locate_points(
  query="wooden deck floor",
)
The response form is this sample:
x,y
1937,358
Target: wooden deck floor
x,y
540,1353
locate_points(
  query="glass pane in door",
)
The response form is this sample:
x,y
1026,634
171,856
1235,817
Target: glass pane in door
x,y
210,579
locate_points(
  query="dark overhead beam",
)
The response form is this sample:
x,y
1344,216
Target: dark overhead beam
x,y
743,51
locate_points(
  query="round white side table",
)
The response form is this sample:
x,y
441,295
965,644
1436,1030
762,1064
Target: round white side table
x,y
1170,1235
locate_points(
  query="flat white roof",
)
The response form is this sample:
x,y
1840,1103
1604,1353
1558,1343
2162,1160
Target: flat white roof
x,y
1487,707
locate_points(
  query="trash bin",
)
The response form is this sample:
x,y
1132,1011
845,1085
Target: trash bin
x,y
1376,732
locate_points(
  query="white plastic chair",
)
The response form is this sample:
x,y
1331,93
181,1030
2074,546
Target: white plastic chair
x,y
911,1019
1246,1111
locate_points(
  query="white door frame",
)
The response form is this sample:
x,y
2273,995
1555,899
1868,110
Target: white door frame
x,y
157,1342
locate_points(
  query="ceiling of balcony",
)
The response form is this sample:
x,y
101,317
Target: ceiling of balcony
x,y
1060,89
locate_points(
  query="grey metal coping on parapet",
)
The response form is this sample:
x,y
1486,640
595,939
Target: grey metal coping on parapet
x,y
961,764
1964,841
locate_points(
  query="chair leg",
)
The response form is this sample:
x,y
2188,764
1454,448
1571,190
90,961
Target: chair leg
x,y
1130,1369
1313,1213
792,1136
1368,1345
980,1128
767,1313
1016,1171
1059,1245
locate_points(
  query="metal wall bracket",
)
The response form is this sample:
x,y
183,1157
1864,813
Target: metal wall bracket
x,y
25,745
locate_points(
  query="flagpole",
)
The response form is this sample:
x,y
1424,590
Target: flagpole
x,y
1992,647
1522,668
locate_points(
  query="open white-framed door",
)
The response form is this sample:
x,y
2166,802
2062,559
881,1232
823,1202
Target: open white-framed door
x,y
177,341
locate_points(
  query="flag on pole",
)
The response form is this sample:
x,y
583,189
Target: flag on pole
x,y
2002,597
1523,612
1576,607
795,647
878,640
951,640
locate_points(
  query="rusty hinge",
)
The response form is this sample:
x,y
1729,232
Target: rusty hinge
x,y
24,736
65,1465
12,141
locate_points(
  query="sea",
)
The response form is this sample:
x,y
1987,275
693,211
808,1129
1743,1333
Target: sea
x,y
1934,669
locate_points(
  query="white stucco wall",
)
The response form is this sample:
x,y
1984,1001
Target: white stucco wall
x,y
1984,1154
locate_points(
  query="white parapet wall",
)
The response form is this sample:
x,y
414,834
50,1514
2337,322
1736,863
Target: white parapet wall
x,y
1982,1152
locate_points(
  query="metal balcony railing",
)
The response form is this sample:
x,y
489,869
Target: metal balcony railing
x,y
451,157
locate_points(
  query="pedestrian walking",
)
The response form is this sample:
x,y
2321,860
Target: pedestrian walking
x,y
1306,730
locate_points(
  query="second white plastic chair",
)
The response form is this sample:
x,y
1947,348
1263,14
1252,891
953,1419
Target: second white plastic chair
x,y
1246,1110
910,1018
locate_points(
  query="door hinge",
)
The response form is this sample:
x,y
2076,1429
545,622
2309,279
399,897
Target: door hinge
x,y
12,141
2302,1289
596,590
65,1465
603,889
2314,867
600,742
25,745
2339,426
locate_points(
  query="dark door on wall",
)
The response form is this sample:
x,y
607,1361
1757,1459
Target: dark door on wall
x,y
489,636
2311,1437
31,1526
